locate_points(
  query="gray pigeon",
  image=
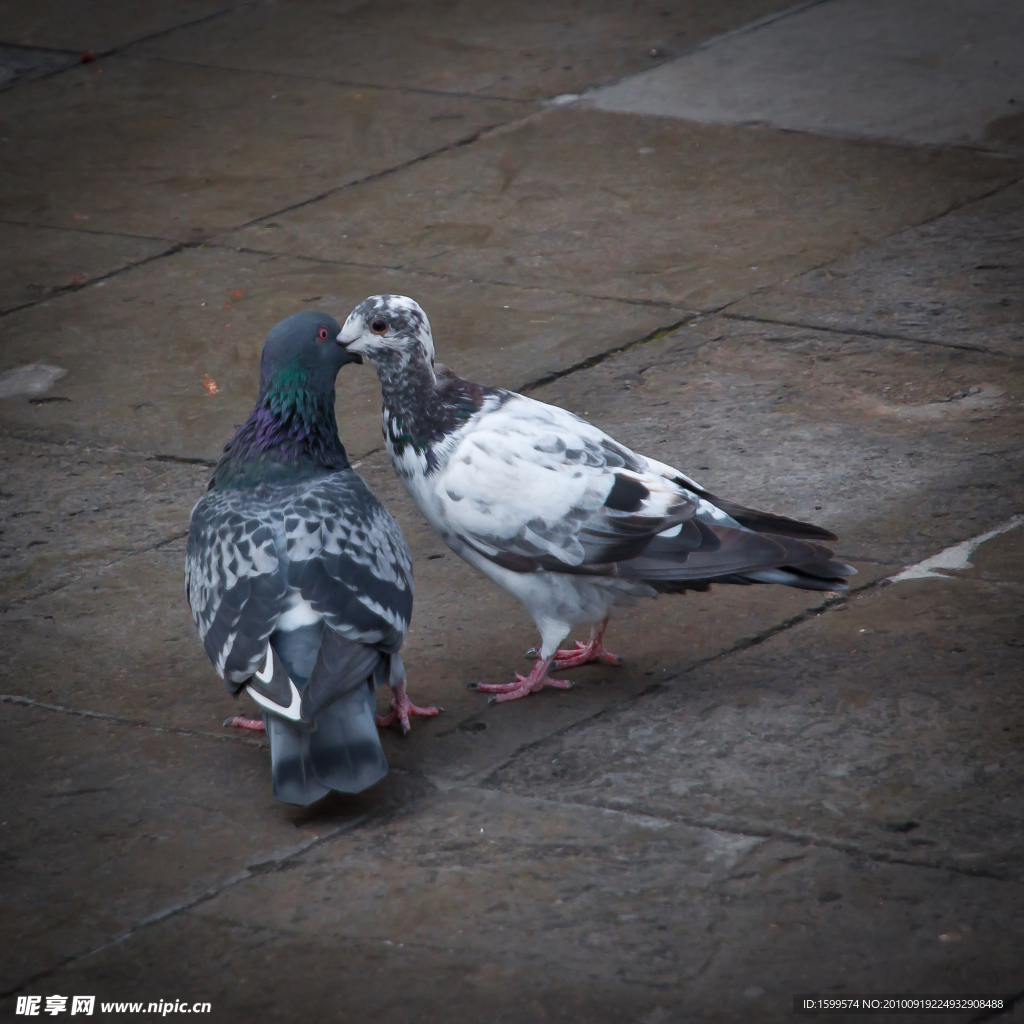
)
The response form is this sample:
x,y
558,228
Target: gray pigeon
x,y
566,519
299,580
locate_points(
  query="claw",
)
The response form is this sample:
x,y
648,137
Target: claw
x,y
401,709
592,650
238,722
523,685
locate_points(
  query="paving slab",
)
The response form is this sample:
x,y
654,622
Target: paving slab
x,y
757,414
42,262
96,25
201,150
958,280
66,511
133,652
892,728
23,63
504,48
106,824
598,916
857,433
914,71
639,208
139,347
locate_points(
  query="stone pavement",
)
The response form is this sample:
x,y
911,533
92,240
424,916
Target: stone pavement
x,y
777,246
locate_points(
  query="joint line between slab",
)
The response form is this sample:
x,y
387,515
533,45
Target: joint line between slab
x,y
28,702
116,49
860,333
272,863
299,204
341,83
601,357
764,833
738,647
417,271
86,231
181,535
378,175
93,281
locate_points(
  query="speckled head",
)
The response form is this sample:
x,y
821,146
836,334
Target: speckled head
x,y
305,345
388,328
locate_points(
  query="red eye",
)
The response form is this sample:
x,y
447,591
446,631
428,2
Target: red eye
x,y
323,334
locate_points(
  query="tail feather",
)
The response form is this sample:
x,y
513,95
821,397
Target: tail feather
x,y
763,522
343,752
345,749
739,555
295,782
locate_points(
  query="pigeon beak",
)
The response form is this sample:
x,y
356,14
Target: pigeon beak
x,y
344,340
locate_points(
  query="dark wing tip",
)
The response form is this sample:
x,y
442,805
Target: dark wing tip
x,y
768,522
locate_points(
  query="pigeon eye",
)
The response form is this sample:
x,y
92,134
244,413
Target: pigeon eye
x,y
379,326
322,334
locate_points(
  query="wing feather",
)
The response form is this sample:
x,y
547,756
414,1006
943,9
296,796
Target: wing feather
x,y
328,540
533,487
531,481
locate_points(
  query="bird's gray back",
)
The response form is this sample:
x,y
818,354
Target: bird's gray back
x,y
327,541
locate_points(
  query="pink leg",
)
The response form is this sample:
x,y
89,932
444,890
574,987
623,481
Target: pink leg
x,y
402,708
256,724
533,683
593,650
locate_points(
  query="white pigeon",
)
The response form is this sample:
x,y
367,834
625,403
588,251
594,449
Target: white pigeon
x,y
569,521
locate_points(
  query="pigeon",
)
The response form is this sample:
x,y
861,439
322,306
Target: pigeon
x,y
564,517
298,578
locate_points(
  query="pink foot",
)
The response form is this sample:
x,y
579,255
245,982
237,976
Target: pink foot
x,y
256,724
592,650
533,683
401,709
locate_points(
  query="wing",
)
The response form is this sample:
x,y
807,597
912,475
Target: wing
x,y
348,559
235,581
531,485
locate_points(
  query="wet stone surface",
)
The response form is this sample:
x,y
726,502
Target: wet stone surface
x,y
667,211
779,790
165,359
502,48
956,281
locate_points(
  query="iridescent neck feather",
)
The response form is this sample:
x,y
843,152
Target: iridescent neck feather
x,y
292,434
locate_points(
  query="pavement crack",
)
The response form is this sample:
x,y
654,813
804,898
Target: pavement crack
x,y
744,644
56,588
179,247
345,83
28,702
467,140
600,357
762,832
111,51
92,281
274,863
85,231
439,275
862,333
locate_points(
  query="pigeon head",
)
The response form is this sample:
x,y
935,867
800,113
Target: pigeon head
x,y
292,433
390,331
305,346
